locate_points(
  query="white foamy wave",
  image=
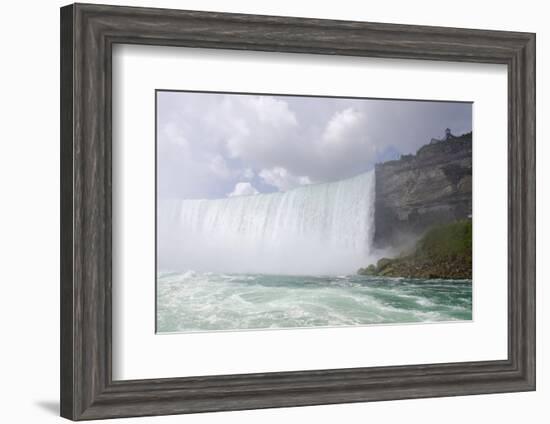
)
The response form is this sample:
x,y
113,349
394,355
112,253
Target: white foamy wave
x,y
210,301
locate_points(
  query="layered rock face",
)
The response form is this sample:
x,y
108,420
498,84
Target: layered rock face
x,y
419,191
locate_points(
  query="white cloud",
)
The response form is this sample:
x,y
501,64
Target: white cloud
x,y
282,179
258,130
174,135
345,127
343,124
271,111
218,166
347,143
243,189
248,173
207,143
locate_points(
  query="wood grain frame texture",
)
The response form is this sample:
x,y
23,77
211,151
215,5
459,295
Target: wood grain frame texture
x,y
88,33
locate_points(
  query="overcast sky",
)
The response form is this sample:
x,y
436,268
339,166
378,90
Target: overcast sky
x,y
217,145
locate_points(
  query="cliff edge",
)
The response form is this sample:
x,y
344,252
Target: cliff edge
x,y
416,192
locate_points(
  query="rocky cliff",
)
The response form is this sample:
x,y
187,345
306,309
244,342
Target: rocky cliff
x,y
419,191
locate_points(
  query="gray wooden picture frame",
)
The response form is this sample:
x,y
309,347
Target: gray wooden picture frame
x,y
88,33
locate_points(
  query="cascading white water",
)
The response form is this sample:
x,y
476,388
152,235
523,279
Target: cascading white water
x,y
314,229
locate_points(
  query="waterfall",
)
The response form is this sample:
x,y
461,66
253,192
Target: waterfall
x,y
314,229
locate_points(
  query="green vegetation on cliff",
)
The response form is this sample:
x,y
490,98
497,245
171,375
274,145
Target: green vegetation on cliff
x,y
445,251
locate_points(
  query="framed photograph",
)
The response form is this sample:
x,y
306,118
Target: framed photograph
x,y
263,211
268,206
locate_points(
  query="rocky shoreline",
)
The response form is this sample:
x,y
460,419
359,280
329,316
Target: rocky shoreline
x,y
445,251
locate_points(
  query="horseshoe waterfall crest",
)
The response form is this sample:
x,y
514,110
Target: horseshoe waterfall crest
x,y
315,229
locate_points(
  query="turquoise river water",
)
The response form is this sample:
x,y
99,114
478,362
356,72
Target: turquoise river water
x,y
189,302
